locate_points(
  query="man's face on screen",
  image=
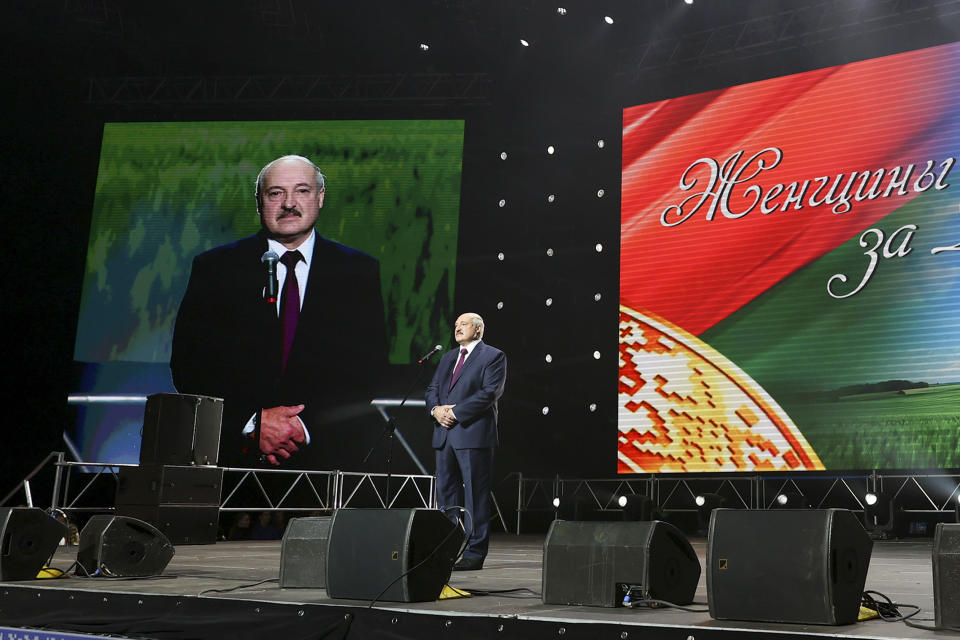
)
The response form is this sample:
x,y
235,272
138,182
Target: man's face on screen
x,y
291,201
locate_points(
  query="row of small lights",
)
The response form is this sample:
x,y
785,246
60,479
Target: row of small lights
x,y
548,358
560,11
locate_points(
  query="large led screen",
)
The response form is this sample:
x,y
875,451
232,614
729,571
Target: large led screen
x,y
167,192
790,273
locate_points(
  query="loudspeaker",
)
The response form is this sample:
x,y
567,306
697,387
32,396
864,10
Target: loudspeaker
x,y
596,563
121,546
29,537
303,553
397,555
181,429
786,565
946,575
181,524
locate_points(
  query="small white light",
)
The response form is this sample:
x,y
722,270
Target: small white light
x,y
700,500
600,193
502,203
608,19
600,143
503,155
551,198
561,11
500,305
688,1
549,301
782,499
549,252
592,407
551,149
500,256
524,42
599,247
622,501
424,47
596,297
545,410
596,355
870,499
556,503
548,358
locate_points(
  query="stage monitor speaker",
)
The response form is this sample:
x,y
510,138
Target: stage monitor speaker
x,y
181,429
396,555
803,566
303,553
597,563
946,575
118,546
29,537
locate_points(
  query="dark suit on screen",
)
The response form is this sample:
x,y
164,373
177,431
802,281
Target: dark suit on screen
x,y
227,343
465,451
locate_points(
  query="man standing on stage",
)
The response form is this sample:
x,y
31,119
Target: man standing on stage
x,y
299,363
463,399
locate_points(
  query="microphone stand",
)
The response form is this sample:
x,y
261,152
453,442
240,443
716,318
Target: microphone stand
x,y
389,428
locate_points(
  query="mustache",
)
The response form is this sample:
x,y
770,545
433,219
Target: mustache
x,y
286,213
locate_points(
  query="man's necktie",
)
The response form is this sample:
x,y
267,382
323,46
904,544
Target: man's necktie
x,y
289,303
456,370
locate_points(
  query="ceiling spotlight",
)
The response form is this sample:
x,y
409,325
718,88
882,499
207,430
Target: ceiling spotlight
x,y
503,155
550,149
688,1
548,358
601,143
561,11
424,47
524,42
502,203
622,501
782,499
545,410
592,407
608,19
550,253
556,503
596,355
500,256
551,198
500,305
700,500
870,499
600,193
596,297
599,247
549,301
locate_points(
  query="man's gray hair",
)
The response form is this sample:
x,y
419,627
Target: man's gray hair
x,y
477,323
258,193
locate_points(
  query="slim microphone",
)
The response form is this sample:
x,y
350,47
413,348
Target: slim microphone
x,y
269,260
430,353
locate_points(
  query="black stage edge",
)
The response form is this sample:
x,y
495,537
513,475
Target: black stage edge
x,y
171,606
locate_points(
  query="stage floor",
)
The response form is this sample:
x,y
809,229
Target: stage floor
x,y
900,570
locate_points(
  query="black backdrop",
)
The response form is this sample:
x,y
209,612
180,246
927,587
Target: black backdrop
x,y
71,66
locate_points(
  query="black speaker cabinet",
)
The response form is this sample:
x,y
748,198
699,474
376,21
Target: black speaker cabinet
x,y
786,565
373,554
303,554
595,563
181,429
117,546
154,484
29,537
946,575
181,524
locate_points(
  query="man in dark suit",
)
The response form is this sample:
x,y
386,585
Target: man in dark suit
x,y
300,364
462,398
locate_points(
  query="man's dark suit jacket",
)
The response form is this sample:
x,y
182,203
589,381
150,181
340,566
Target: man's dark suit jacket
x,y
476,392
227,344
